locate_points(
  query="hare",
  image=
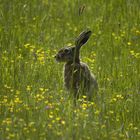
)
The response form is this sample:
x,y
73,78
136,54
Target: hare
x,y
78,79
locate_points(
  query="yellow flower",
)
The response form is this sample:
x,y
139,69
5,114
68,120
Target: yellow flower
x,y
11,135
41,89
58,119
103,126
5,100
111,112
84,106
132,52
119,96
69,44
137,55
17,92
84,96
75,29
49,125
97,112
131,125
137,31
34,130
129,43
113,34
135,128
31,124
28,88
50,116
7,121
7,129
114,99
27,45
63,122
17,100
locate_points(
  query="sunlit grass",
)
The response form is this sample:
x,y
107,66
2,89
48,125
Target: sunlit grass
x,y
33,101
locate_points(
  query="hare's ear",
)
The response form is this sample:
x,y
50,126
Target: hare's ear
x,y
82,38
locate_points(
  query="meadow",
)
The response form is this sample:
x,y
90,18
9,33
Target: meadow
x,y
34,104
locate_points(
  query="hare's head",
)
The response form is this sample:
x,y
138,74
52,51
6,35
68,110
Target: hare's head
x,y
65,54
70,54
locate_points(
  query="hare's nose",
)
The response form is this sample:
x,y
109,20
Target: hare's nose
x,y
57,56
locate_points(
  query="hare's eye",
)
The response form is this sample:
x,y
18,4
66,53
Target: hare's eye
x,y
67,51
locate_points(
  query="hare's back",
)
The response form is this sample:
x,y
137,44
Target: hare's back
x,y
87,74
85,69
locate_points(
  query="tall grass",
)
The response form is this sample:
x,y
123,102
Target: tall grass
x,y
33,101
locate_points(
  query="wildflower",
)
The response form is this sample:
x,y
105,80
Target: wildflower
x,y
12,61
137,55
34,130
31,124
84,97
28,88
50,116
68,24
41,89
49,125
31,50
58,119
26,107
92,104
84,106
114,99
103,126
46,102
19,57
121,75
34,18
69,44
75,29
11,90
119,96
17,92
97,112
57,109
63,122
135,128
11,135
115,58
121,135
132,52
53,121
130,125
59,133
27,45
129,43
111,112
5,100
137,32
7,129
26,129
7,121
117,119
49,107
113,34
108,79
17,100
75,124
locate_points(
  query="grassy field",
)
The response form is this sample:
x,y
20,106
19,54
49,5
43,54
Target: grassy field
x,y
33,102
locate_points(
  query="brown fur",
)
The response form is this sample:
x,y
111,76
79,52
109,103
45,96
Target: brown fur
x,y
77,76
